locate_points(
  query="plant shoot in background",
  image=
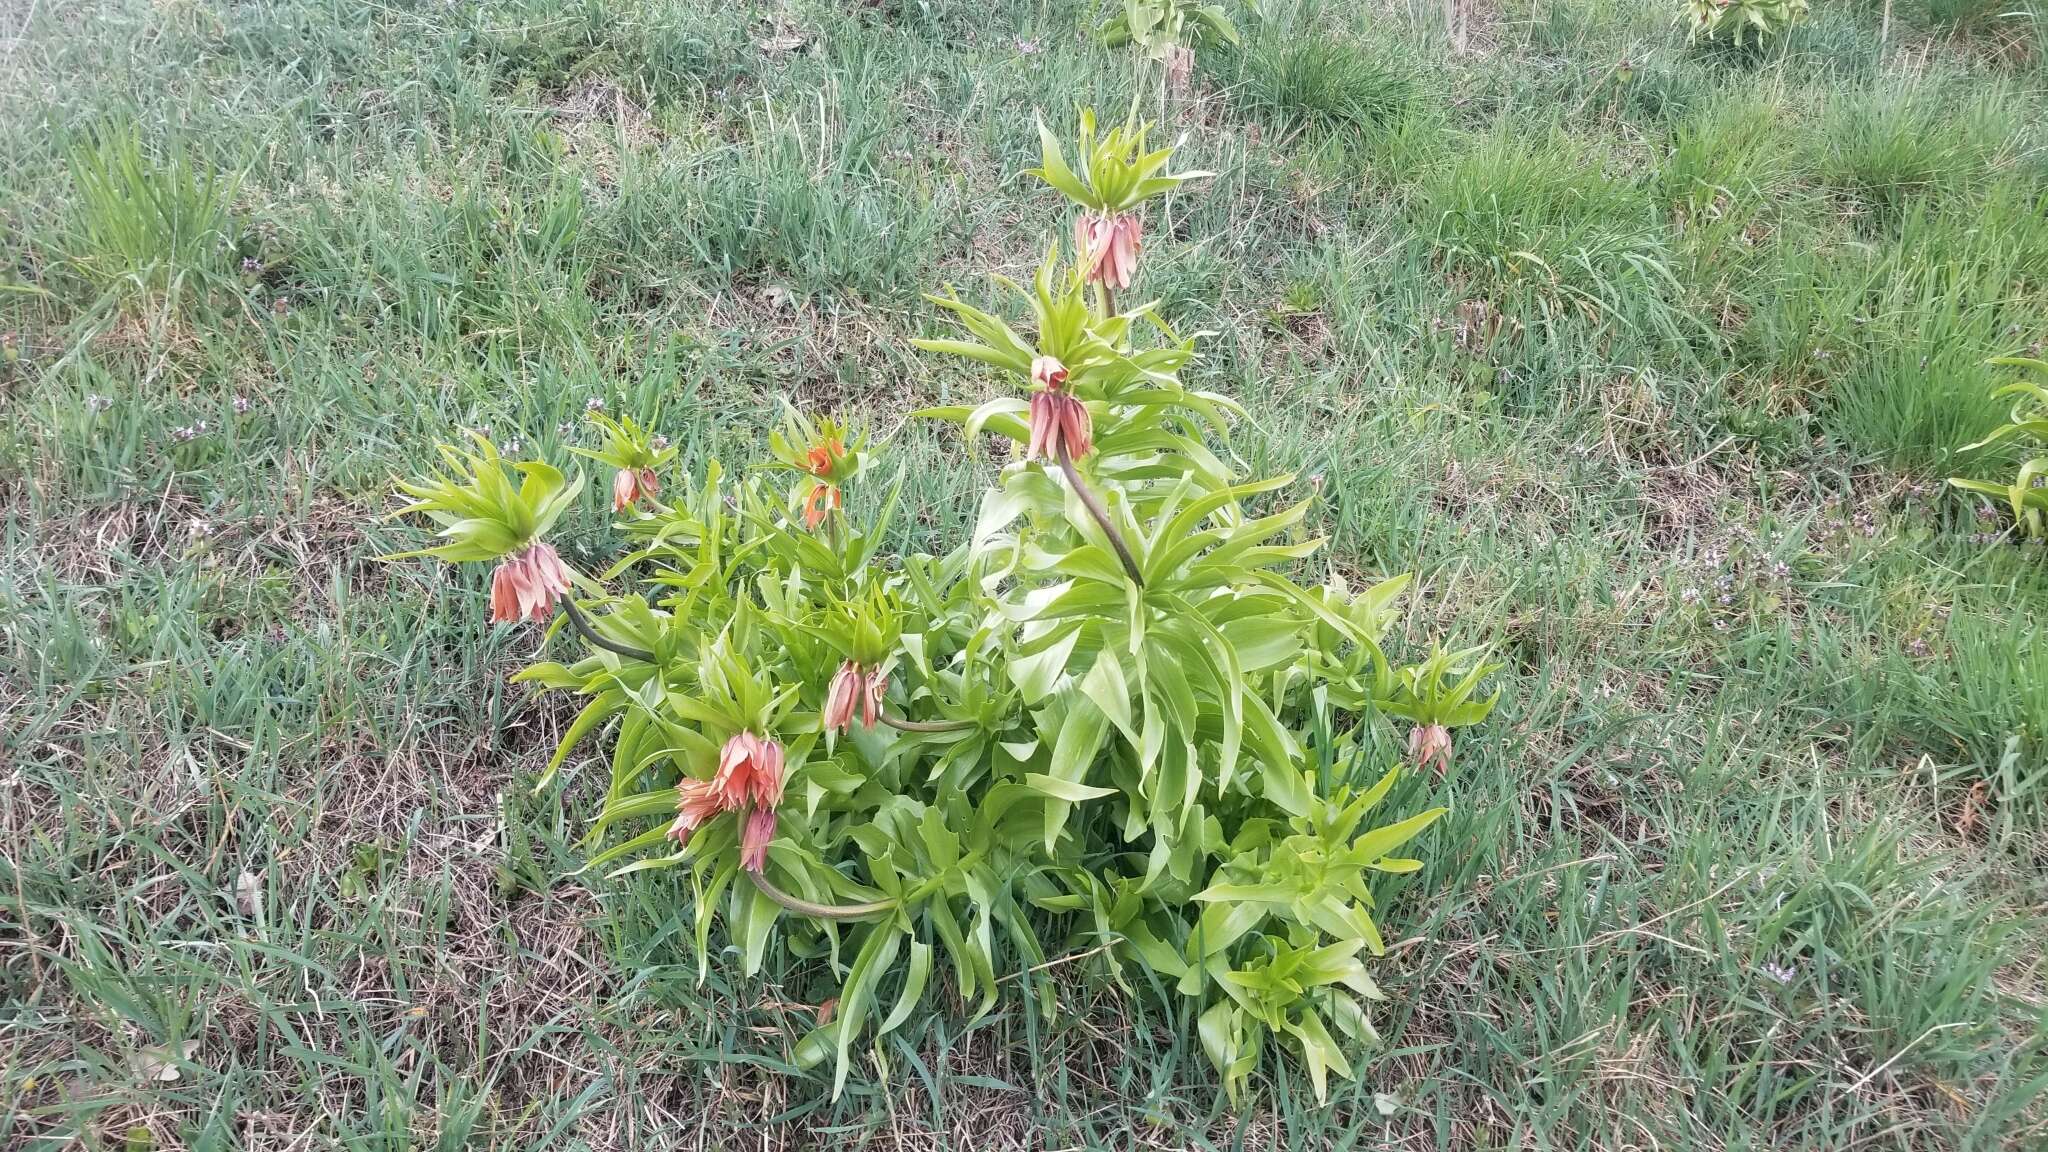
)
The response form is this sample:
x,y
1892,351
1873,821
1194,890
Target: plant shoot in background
x,y
2027,494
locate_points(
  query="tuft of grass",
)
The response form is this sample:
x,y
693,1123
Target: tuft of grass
x,y
149,232
1552,231
794,204
1299,77
1735,154
659,54
1885,147
1909,382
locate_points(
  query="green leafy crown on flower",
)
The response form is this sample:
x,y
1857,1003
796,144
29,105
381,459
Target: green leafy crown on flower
x,y
1112,171
483,512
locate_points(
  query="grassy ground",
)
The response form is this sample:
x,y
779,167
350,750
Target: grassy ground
x,y
1648,361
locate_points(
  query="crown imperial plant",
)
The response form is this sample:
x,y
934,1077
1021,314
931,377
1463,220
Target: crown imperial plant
x,y
1110,709
1737,21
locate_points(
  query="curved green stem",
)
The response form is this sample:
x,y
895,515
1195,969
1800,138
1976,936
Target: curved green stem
x,y
1101,515
588,631
902,725
820,911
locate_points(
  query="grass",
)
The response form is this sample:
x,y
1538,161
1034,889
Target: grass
x,y
1653,373
149,234
1298,75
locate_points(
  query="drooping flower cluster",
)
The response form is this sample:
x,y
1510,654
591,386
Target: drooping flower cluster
x,y
632,452
748,780
1438,695
526,584
825,454
1429,746
631,485
1107,244
823,462
854,686
1060,427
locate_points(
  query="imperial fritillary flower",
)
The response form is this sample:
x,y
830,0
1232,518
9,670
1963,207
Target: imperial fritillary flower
x,y
822,460
754,837
1059,422
1429,746
696,803
750,768
525,585
1108,244
630,485
854,687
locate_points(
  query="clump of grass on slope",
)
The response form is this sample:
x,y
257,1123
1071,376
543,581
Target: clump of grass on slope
x,y
1932,306
1881,148
1546,229
151,232
1300,77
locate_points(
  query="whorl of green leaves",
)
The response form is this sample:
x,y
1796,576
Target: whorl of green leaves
x,y
1134,394
483,514
1738,20
1112,172
1439,690
1158,26
626,445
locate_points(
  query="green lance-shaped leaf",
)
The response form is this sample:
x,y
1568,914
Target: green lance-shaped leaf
x,y
913,987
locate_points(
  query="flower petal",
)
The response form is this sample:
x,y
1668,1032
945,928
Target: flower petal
x,y
754,838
